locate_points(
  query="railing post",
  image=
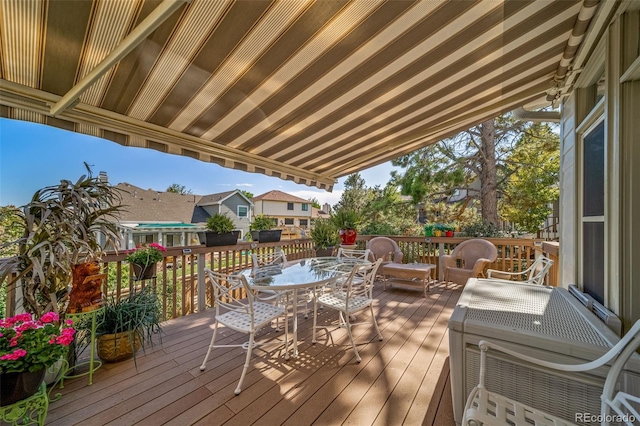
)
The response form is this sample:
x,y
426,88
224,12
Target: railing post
x,y
202,288
440,254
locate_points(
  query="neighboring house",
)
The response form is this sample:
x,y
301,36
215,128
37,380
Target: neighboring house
x,y
175,219
286,210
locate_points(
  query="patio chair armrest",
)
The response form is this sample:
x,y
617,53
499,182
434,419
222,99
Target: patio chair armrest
x,y
448,261
479,266
495,273
485,345
397,257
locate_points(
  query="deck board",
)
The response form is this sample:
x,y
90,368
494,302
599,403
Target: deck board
x,y
401,380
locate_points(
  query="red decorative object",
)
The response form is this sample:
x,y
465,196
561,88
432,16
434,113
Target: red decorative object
x,y
86,291
448,233
348,236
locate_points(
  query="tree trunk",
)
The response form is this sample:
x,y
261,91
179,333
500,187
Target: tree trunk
x,y
488,173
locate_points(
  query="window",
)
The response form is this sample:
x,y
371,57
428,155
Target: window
x,y
305,207
243,211
593,212
304,222
289,206
288,221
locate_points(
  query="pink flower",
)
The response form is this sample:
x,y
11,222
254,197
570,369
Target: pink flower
x,y
49,317
17,354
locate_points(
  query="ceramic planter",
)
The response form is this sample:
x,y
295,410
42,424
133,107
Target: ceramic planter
x,y
19,385
267,236
348,237
117,347
142,272
215,239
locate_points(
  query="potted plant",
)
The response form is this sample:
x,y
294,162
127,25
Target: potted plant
x,y
325,237
449,229
144,258
346,220
221,231
439,229
27,348
261,230
126,324
61,227
428,230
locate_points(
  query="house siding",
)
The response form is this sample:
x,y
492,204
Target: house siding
x,y
621,248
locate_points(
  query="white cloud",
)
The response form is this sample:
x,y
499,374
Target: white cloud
x,y
249,185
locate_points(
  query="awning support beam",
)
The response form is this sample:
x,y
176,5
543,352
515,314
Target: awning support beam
x,y
137,36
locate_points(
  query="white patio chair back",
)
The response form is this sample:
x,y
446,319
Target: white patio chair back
x,y
237,309
354,253
356,294
535,274
261,260
486,407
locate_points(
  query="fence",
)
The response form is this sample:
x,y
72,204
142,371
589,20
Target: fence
x,y
180,281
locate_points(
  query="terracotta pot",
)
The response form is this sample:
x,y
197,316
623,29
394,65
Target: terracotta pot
x,y
348,236
117,347
142,272
20,385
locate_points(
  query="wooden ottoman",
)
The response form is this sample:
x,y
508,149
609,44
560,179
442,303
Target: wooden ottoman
x,y
412,274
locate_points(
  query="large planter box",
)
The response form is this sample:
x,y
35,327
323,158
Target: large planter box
x,y
214,239
268,236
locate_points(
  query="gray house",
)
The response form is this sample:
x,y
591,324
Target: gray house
x,y
176,219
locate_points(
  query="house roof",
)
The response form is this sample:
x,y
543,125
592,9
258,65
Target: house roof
x,y
301,90
156,206
276,195
220,197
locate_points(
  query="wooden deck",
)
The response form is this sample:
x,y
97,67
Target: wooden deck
x,y
401,380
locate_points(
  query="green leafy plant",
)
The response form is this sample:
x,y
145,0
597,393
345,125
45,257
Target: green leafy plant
x,y
481,229
31,345
346,219
145,255
60,227
220,223
139,314
261,223
324,234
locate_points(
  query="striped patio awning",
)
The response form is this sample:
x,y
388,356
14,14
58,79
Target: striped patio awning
x,y
307,91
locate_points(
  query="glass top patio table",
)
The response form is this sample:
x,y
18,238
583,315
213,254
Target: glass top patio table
x,y
300,274
304,273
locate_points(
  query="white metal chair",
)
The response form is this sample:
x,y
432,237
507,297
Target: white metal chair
x,y
350,298
245,315
535,274
490,408
277,259
354,253
261,260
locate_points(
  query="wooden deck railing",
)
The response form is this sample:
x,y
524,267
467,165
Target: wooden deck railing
x,y
183,290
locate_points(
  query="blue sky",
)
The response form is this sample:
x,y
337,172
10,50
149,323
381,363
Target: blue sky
x,y
33,156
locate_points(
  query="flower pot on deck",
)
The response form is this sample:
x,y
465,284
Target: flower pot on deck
x,y
19,385
118,347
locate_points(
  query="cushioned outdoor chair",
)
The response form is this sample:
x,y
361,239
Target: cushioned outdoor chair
x,y
386,249
490,408
246,315
468,260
